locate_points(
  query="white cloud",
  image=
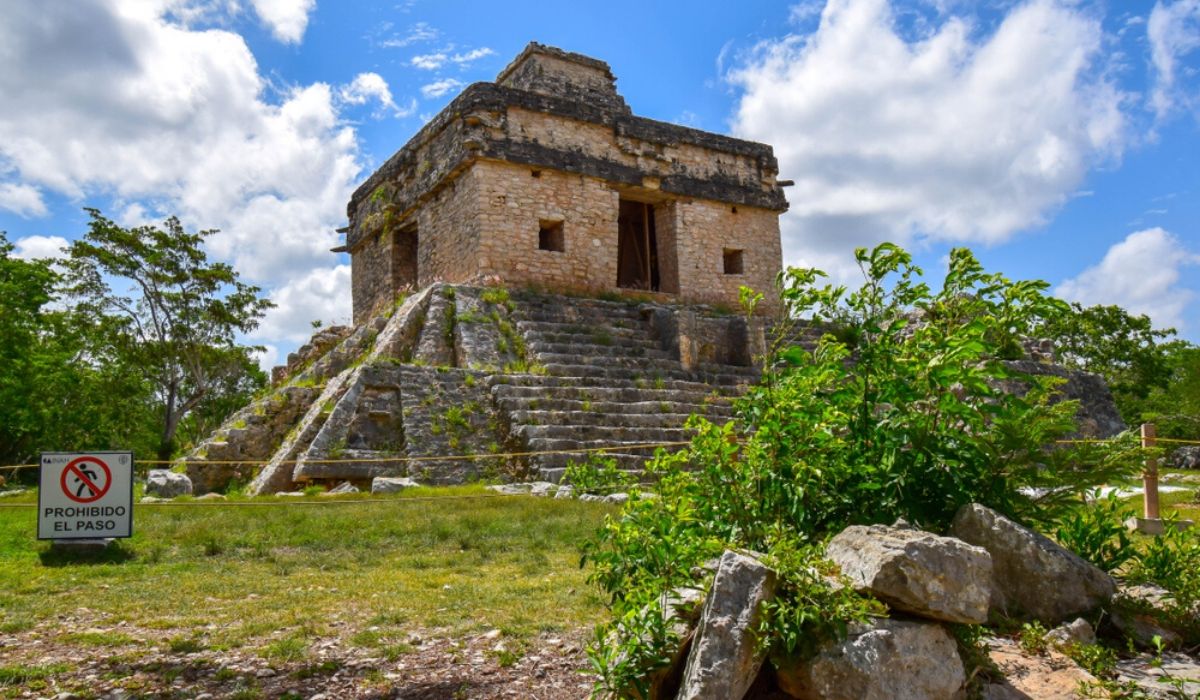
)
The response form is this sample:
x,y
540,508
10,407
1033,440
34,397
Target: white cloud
x,y
287,19
39,247
956,136
464,59
429,61
268,357
321,295
21,199
1140,274
1174,31
420,32
371,86
120,105
440,87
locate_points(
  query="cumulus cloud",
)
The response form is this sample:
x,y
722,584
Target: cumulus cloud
x,y
21,199
120,103
321,295
39,247
371,86
1174,32
440,87
1140,274
287,19
953,136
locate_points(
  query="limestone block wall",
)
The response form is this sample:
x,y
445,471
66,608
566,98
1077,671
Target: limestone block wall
x,y
448,230
370,275
514,204
706,232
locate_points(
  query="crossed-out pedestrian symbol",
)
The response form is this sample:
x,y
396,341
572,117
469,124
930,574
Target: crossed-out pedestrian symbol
x,y
85,479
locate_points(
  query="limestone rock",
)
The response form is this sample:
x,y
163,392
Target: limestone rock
x,y
1052,676
210,496
1077,632
1186,457
918,572
883,660
724,658
565,491
392,484
344,487
1149,674
510,489
1033,576
1141,613
165,483
542,488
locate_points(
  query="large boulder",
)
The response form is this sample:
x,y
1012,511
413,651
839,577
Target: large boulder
x,y
1145,611
725,657
883,660
164,483
918,572
1034,578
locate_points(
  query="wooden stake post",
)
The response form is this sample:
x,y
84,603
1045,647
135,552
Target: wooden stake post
x,y
1150,475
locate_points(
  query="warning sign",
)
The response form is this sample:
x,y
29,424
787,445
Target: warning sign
x,y
85,496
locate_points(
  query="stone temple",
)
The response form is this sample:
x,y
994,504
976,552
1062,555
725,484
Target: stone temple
x,y
536,274
545,178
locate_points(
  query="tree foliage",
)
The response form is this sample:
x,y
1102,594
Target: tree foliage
x,y
1123,348
124,344
904,408
179,314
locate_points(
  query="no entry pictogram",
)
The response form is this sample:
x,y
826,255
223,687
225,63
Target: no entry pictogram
x,y
86,479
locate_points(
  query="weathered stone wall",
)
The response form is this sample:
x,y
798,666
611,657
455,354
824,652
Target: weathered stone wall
x,y
514,203
708,229
466,180
370,275
448,229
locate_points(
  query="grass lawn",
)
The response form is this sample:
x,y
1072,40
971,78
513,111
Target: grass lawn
x,y
275,580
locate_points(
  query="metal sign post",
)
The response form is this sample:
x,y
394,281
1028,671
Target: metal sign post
x,y
85,496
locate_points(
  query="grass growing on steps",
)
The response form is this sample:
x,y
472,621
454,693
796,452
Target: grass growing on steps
x,y
273,580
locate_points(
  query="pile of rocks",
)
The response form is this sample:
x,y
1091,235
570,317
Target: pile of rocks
x,y
988,566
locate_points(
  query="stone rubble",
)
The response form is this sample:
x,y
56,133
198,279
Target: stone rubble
x,y
940,578
164,483
1034,577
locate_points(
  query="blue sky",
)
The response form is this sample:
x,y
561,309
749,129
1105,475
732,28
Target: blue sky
x,y
1060,140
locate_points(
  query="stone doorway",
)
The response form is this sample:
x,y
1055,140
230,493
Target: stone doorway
x,y
404,259
637,247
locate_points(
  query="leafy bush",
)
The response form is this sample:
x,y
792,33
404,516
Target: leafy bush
x,y
1096,531
1172,560
905,408
598,474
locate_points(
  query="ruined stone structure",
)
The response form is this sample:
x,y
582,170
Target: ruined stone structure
x,y
545,178
538,273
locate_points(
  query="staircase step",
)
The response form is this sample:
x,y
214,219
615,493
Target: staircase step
x,y
593,418
535,435
641,351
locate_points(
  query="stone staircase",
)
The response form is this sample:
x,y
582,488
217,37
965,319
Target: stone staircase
x,y
608,382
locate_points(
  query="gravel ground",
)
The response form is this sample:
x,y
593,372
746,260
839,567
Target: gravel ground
x,y
484,666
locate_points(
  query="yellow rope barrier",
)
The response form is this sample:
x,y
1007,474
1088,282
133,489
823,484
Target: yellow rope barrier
x,y
430,458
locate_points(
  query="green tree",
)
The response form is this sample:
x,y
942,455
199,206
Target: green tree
x,y
178,314
1123,348
60,386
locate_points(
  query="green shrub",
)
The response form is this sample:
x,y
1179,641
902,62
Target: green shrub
x,y
905,408
598,473
1096,531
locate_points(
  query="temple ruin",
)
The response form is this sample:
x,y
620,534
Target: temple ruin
x,y
545,178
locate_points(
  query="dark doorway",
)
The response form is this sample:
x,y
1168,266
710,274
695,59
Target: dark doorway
x,y
404,260
637,247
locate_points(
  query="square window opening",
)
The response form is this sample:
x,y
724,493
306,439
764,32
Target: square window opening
x,y
733,263
550,236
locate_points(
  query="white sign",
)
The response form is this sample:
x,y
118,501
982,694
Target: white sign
x,y
84,496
